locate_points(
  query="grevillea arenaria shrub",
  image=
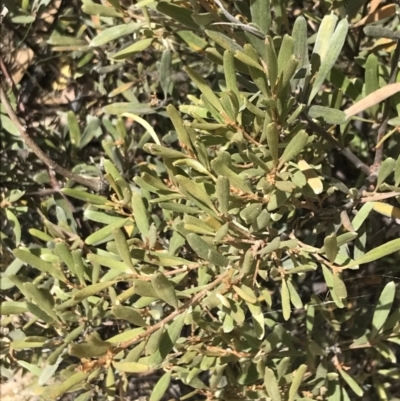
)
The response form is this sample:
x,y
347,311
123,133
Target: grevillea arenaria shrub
x,y
245,241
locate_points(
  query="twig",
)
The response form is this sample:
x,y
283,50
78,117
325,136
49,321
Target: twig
x,y
96,185
226,28
347,153
235,21
174,314
7,76
386,110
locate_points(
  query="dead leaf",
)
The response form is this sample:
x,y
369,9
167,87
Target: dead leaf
x,y
384,12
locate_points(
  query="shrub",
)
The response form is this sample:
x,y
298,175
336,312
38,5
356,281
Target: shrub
x,y
205,257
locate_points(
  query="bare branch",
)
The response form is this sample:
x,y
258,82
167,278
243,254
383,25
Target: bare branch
x,y
96,185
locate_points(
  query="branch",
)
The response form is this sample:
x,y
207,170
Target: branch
x,y
174,314
235,21
347,153
386,111
96,185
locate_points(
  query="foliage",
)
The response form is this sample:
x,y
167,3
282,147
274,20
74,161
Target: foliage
x,y
270,166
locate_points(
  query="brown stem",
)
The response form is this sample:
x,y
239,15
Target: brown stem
x,y
386,110
174,314
7,76
347,153
96,185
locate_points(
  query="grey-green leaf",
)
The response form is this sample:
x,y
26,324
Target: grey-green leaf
x,y
294,147
164,289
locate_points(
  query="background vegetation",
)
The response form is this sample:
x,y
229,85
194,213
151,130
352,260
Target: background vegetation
x,y
219,202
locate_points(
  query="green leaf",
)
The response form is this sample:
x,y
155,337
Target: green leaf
x,y
286,51
92,290
271,62
250,213
261,14
56,390
339,287
137,47
129,314
145,125
108,262
16,226
205,251
131,367
245,293
287,74
168,340
220,168
204,88
122,247
271,385
102,234
383,308
29,342
13,308
194,41
125,107
362,215
377,253
397,172
248,60
294,147
330,281
351,382
62,251
197,191
177,121
271,132
73,127
43,299
386,169
331,247
223,192
230,73
161,387
164,289
224,41
158,150
328,54
27,257
91,131
114,33
294,296
180,14
85,196
140,214
92,8
126,335
257,72
329,115
381,32
300,49
372,80
8,125
285,298
165,71
324,36
297,379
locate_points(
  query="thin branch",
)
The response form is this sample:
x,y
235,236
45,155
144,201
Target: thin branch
x,y
96,185
347,153
174,314
386,110
7,76
235,21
